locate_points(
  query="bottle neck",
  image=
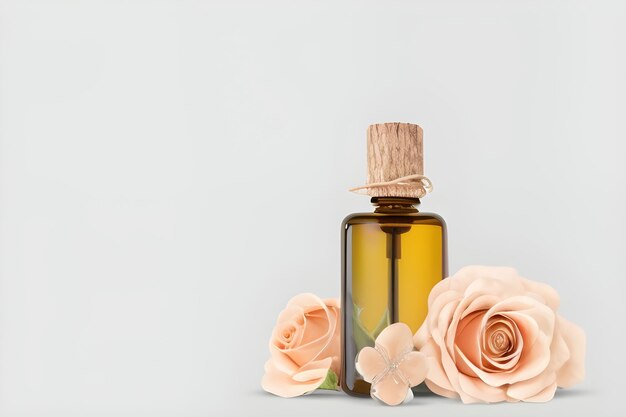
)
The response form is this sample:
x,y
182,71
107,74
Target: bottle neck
x,y
395,204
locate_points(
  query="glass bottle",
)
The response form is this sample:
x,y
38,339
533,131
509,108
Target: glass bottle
x,y
391,259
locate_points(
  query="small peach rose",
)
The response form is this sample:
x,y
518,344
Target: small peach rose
x,y
304,346
492,335
392,366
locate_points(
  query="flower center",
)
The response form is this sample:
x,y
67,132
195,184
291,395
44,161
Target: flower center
x,y
287,334
499,337
499,340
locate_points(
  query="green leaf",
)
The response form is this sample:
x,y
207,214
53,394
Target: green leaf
x,y
331,382
382,324
360,335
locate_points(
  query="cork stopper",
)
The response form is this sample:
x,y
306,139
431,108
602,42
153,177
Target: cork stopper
x,y
395,161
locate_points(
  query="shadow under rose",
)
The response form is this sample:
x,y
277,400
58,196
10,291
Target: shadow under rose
x,y
428,397
420,398
314,394
571,393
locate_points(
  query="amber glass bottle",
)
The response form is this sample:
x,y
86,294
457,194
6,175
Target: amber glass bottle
x,y
391,259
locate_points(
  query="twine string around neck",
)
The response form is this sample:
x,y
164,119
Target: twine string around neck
x,y
408,181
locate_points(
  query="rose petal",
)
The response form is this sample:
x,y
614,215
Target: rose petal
x,y
436,374
291,312
498,281
313,371
281,384
287,334
573,371
445,307
543,396
559,352
307,301
332,303
481,302
542,292
333,348
451,369
322,345
478,391
523,390
472,303
422,336
282,361
486,285
468,341
536,356
497,365
316,326
440,390
446,321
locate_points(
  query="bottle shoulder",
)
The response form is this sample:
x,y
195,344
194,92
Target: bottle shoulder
x,y
409,218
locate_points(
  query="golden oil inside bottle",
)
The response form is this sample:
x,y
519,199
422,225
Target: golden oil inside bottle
x,y
391,260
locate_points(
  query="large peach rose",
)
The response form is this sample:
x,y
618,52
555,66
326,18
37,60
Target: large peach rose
x,y
304,346
492,335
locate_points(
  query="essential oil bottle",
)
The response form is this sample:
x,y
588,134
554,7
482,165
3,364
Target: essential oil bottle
x,y
393,256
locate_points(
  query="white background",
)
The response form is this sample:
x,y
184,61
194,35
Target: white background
x,y
172,172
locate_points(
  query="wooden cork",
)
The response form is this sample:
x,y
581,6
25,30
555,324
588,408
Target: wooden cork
x,y
394,151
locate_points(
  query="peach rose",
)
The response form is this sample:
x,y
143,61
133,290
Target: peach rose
x,y
304,346
491,335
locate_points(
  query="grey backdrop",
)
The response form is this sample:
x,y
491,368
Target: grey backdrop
x,y
172,172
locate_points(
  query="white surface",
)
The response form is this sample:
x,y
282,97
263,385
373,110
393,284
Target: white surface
x,y
172,172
